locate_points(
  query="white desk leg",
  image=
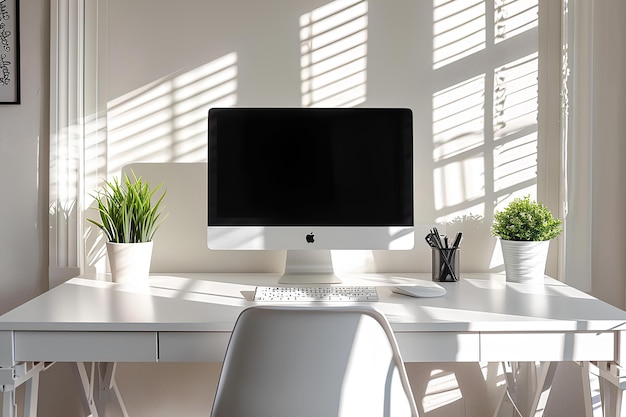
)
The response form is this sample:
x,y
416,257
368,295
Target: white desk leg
x,y
26,373
86,385
31,395
110,384
590,385
94,391
8,403
533,384
612,398
612,389
544,385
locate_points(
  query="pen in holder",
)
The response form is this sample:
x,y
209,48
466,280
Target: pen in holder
x,y
445,264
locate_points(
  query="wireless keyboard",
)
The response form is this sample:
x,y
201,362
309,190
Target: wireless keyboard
x,y
334,293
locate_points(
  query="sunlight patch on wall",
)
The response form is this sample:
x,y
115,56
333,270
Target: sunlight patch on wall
x,y
515,96
442,390
484,127
458,139
515,163
458,30
462,162
513,17
165,121
333,60
515,128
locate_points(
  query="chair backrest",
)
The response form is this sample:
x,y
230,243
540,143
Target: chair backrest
x,y
313,361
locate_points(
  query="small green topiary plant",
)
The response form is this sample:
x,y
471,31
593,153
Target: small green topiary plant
x,y
127,214
525,220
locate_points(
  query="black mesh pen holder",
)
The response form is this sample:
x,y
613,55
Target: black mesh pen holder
x,y
445,264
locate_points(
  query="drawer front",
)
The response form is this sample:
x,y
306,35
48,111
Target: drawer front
x,y
523,347
193,346
6,349
86,346
438,347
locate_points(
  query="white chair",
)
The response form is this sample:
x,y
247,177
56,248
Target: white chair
x,y
313,361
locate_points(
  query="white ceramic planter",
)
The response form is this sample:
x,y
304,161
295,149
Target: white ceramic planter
x,y
525,261
130,262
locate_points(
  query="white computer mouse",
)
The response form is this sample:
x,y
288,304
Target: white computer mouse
x,y
427,289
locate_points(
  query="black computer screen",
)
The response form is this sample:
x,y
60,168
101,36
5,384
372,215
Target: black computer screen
x,y
310,167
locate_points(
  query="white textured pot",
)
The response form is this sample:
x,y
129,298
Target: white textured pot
x,y
525,261
130,262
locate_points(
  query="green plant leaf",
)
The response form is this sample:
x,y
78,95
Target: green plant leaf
x,y
127,214
526,220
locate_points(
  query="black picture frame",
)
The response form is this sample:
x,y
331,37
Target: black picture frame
x,y
9,51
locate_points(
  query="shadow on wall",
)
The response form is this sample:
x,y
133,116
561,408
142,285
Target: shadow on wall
x,y
482,95
484,108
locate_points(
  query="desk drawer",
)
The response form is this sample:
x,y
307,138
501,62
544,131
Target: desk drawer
x,y
6,349
548,346
193,346
86,346
438,346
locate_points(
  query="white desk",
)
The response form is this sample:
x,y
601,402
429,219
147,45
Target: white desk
x,y
189,317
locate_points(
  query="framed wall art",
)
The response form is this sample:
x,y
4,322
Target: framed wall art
x,y
9,51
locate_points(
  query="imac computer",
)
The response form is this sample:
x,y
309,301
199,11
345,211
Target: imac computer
x,y
310,180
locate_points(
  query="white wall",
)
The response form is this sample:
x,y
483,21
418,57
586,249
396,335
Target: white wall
x,y
608,152
165,66
595,236
24,167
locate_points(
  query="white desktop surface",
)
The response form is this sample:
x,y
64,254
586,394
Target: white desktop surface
x,y
212,302
188,317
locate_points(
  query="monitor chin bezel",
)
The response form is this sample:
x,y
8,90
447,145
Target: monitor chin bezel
x,y
310,238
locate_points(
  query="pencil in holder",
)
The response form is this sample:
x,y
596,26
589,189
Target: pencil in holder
x,y
445,264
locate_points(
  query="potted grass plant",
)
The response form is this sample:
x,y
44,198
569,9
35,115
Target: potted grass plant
x,y
525,228
130,214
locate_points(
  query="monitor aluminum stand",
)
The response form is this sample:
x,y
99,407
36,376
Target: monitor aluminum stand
x,y
309,267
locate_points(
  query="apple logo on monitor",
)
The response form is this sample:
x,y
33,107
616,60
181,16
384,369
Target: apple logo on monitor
x,y
310,238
